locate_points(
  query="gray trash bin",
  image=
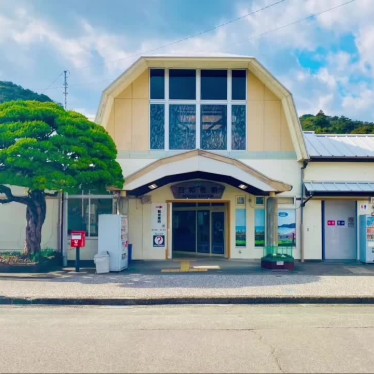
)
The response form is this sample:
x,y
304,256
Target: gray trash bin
x,y
101,261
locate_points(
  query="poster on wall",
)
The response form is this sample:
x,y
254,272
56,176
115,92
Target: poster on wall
x,y
241,228
287,228
260,228
159,225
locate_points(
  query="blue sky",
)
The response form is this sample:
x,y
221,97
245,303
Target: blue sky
x,y
324,56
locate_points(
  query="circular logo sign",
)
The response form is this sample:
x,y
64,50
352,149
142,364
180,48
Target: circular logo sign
x,y
158,240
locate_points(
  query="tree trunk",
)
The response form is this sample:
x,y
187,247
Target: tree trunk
x,y
35,217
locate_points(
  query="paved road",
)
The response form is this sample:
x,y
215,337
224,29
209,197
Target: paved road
x,y
293,338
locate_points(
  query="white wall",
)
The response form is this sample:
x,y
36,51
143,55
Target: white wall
x,y
313,230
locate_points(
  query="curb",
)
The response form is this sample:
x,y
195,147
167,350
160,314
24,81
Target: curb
x,y
187,300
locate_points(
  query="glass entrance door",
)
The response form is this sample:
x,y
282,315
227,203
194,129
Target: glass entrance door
x,y
218,233
203,231
199,228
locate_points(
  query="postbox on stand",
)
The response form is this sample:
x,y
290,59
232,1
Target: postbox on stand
x,y
78,241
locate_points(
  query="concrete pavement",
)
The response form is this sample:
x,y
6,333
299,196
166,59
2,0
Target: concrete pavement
x,y
226,281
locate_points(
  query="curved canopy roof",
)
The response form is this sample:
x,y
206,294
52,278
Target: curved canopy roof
x,y
200,164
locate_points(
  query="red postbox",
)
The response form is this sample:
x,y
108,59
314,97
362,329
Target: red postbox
x,y
78,239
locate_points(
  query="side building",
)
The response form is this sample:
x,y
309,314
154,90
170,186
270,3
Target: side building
x,y
339,188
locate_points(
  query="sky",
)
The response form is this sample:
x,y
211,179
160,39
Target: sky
x,y
320,50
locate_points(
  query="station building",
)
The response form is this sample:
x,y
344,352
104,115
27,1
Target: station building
x,y
216,164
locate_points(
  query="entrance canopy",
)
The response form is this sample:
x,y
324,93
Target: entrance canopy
x,y
200,164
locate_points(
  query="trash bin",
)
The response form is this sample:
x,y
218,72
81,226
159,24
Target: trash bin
x,y
101,261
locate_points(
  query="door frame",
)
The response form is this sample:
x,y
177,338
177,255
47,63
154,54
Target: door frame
x,y
226,208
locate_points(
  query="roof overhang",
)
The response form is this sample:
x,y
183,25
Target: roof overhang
x,y
339,189
211,62
199,165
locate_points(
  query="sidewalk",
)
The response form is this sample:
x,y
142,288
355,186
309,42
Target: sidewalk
x,y
230,281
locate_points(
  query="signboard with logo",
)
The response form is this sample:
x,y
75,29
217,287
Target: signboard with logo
x,y
198,190
159,225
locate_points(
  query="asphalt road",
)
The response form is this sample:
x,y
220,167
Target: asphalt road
x,y
175,339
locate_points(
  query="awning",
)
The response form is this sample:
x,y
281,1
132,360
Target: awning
x,y
339,188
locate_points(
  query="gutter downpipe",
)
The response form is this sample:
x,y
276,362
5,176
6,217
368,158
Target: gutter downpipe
x,y
302,204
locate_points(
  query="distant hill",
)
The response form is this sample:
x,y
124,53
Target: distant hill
x,y
11,92
323,124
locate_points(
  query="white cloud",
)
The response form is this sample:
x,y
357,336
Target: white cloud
x,y
341,85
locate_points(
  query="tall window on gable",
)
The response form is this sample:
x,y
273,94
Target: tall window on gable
x,y
213,84
157,84
157,126
238,127
182,127
239,78
182,84
192,109
214,127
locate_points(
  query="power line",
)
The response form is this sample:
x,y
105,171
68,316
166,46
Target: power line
x,y
213,28
49,86
182,39
302,19
217,27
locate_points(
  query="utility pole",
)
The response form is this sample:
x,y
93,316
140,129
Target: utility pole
x,y
65,87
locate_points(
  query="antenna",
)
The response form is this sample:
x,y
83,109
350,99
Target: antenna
x,y
65,87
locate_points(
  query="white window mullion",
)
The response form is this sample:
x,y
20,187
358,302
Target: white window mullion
x,y
167,109
229,108
198,108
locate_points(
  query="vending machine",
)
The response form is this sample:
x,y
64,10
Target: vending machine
x,y
367,238
113,238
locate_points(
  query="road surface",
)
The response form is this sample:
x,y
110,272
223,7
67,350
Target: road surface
x,y
187,339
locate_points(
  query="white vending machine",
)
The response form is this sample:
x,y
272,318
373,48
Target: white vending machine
x,y
367,238
113,238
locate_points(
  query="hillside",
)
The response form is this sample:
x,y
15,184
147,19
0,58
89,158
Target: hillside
x,y
10,92
323,124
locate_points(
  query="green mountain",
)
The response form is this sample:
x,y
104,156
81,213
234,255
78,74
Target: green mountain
x,y
11,92
323,124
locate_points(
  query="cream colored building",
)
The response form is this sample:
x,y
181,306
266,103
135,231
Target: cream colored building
x,y
216,164
204,143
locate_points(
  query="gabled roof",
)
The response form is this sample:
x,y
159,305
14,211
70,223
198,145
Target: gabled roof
x,y
345,146
221,61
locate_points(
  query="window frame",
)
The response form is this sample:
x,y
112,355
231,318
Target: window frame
x,y
88,198
198,102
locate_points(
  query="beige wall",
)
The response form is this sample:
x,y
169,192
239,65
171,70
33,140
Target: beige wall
x,y
129,119
87,253
13,226
340,171
140,225
267,126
